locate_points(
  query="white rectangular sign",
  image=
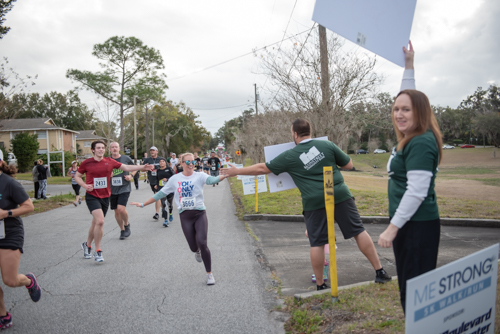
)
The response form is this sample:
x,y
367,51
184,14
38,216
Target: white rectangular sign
x,y
249,184
381,26
456,298
282,181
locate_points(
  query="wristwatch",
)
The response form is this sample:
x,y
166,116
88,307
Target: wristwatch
x,y
9,213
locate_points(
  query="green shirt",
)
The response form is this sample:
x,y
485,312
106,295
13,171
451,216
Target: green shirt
x,y
421,153
305,164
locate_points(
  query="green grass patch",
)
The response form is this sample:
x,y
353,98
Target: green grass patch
x,y
490,181
465,170
50,180
371,308
52,202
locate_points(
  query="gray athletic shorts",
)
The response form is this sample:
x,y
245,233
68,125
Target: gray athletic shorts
x,y
346,216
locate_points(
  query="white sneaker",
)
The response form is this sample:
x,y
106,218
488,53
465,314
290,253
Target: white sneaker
x,y
210,279
98,257
197,256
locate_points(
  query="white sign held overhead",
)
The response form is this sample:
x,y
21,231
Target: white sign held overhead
x,y
381,26
282,181
456,298
249,184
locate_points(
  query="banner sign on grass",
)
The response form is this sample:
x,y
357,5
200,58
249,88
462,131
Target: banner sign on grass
x,y
282,181
249,184
457,298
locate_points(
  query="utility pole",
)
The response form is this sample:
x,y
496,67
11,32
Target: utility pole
x,y
325,78
256,110
135,129
147,128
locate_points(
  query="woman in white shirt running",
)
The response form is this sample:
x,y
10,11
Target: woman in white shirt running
x,y
188,196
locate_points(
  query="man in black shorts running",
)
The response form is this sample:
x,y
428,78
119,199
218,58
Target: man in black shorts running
x,y
120,190
154,160
98,187
214,164
305,164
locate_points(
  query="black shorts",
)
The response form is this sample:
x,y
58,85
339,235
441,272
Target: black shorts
x,y
153,187
14,236
206,168
96,203
76,188
346,216
118,199
214,172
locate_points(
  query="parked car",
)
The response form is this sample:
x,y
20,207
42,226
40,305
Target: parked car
x,y
362,152
446,147
12,159
467,146
378,150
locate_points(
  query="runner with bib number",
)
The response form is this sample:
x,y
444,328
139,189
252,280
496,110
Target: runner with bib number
x,y
214,164
188,196
98,187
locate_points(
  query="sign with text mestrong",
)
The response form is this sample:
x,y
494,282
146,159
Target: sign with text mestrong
x,y
457,298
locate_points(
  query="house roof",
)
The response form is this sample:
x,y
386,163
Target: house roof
x,y
30,124
87,134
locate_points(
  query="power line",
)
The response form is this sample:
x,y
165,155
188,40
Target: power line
x,y
237,57
241,105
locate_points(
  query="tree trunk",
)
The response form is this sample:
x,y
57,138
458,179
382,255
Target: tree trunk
x,y
147,128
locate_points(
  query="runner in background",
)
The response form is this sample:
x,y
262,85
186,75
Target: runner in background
x,y
178,168
164,174
120,190
143,163
188,192
98,187
155,161
173,161
198,166
76,187
14,202
206,166
214,164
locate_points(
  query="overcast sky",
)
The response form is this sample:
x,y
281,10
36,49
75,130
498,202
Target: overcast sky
x,y
456,43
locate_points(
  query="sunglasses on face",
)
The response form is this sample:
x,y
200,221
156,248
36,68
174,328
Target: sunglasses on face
x,y
189,162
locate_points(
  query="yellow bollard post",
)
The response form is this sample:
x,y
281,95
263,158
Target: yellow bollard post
x,y
256,193
330,216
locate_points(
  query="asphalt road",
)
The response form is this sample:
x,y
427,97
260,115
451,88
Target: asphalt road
x,y
148,283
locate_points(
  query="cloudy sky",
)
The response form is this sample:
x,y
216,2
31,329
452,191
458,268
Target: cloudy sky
x,y
456,43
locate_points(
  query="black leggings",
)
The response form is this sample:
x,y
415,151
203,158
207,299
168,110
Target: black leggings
x,y
195,227
76,188
416,250
164,201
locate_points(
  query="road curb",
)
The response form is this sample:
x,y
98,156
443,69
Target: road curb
x,y
299,296
381,220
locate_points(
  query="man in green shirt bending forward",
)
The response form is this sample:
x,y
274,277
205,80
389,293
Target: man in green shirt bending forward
x,y
305,164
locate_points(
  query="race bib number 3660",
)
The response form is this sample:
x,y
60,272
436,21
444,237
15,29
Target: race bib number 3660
x,y
100,182
188,203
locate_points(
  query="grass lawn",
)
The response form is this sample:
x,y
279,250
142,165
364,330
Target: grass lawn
x,y
371,308
50,180
460,187
50,203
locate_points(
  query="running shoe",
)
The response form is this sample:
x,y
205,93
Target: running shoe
x,y
321,287
197,256
98,256
210,279
122,235
382,276
165,223
79,201
156,216
6,321
86,251
34,288
127,231
171,218
74,203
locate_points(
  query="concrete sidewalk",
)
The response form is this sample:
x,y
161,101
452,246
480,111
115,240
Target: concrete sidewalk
x,y
285,248
149,283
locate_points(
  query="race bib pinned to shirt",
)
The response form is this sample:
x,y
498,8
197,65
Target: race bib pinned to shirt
x,y
2,229
188,203
153,173
214,168
117,181
100,182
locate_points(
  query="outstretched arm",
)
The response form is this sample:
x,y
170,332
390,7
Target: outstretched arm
x,y
133,168
256,169
408,81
